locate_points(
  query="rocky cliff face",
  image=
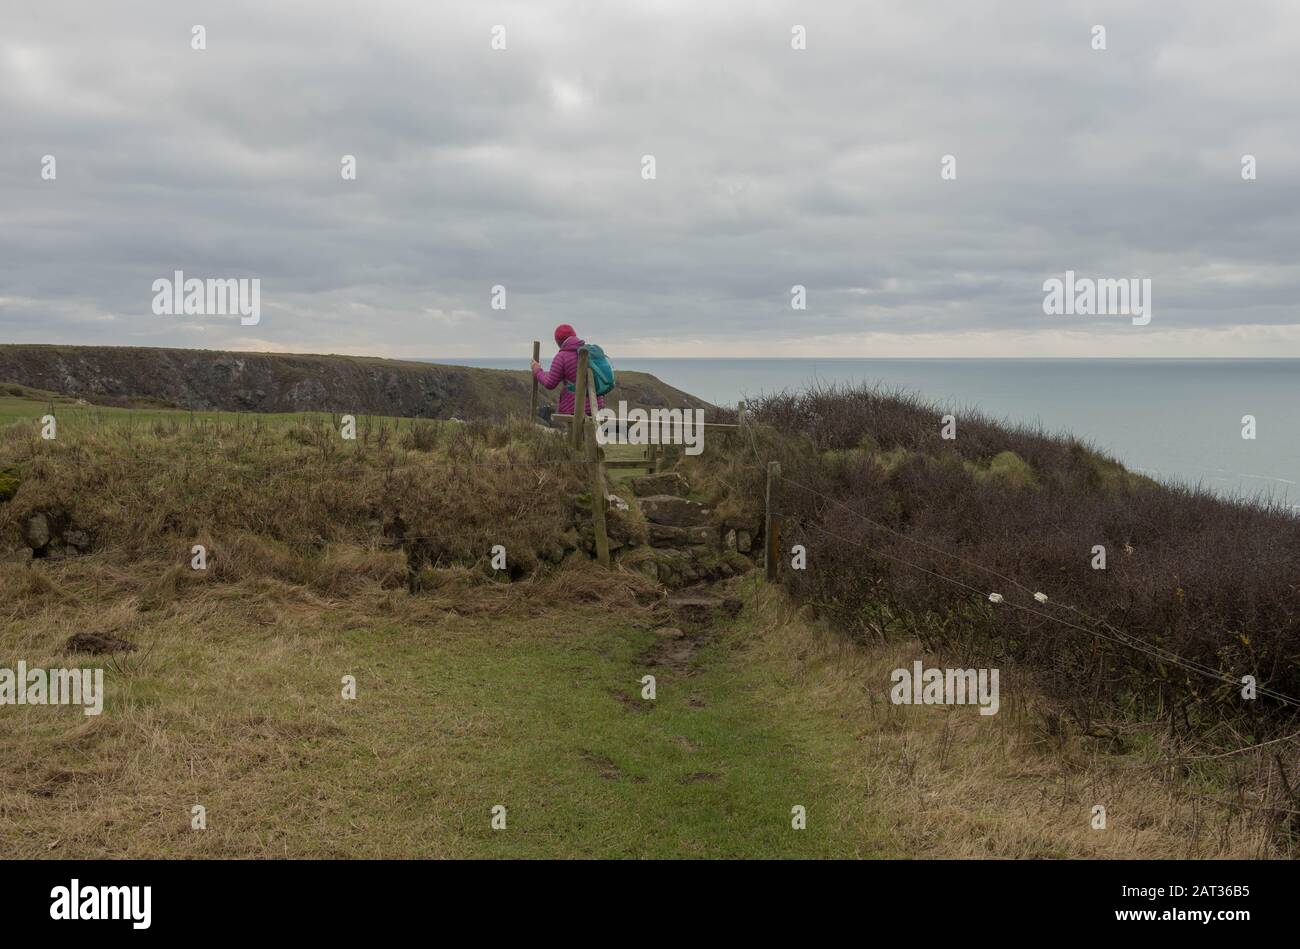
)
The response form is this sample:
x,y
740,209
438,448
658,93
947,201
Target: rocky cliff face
x,y
278,382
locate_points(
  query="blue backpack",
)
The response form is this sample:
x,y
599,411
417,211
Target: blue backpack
x,y
600,368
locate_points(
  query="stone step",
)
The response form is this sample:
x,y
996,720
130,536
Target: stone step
x,y
665,535
674,511
666,482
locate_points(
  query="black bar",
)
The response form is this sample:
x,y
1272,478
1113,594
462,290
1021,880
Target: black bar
x,y
947,899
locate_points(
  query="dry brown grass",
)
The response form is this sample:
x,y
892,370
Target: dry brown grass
x,y
949,783
232,701
290,500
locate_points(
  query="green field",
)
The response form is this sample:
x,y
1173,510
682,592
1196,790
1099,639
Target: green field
x,y
79,415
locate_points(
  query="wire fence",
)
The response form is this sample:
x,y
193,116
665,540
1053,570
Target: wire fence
x,y
1118,637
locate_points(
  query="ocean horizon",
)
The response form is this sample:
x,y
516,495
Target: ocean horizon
x,y
1177,420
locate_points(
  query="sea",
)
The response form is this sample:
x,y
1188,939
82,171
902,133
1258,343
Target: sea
x,y
1176,420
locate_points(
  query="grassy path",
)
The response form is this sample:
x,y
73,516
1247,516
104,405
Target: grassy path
x,y
544,716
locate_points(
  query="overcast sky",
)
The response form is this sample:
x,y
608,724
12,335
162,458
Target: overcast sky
x,y
522,167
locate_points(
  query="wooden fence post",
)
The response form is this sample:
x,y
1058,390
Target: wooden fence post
x,y
532,404
597,490
667,456
579,398
740,418
772,522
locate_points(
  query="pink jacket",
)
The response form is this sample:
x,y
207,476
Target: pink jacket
x,y
564,368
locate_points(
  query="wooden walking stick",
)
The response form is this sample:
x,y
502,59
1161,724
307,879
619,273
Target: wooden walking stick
x,y
532,404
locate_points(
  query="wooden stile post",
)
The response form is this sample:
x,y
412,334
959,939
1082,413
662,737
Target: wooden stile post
x,y
597,491
532,405
664,458
579,398
740,417
772,523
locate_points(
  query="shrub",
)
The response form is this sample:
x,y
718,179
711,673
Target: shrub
x,y
421,436
1007,467
1209,580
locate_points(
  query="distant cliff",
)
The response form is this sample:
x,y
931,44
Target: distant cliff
x,y
282,382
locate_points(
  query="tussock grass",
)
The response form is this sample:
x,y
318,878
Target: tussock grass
x,y
475,691
286,496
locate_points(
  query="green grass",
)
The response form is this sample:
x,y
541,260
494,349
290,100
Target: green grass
x,y
451,718
703,770
69,413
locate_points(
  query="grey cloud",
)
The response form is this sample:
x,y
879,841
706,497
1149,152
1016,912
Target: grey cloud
x,y
522,168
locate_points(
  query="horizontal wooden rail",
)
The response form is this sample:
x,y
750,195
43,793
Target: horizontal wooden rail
x,y
719,426
643,463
